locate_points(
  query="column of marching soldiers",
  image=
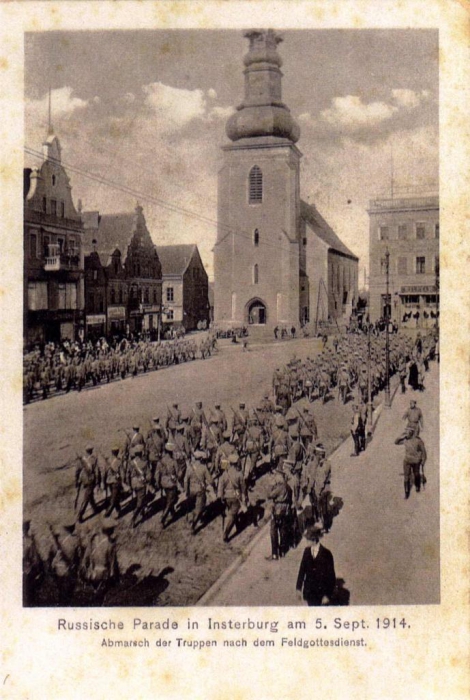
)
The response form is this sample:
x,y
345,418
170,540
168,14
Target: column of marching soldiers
x,y
74,366
188,456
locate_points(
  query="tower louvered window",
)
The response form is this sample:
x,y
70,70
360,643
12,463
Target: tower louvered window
x,y
255,185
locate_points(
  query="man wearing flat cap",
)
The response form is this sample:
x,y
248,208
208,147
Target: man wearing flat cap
x,y
316,580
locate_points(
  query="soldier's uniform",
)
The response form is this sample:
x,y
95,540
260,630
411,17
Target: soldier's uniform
x,y
173,418
281,496
223,453
85,482
132,441
102,570
231,491
168,481
155,444
65,562
196,482
113,481
33,568
138,480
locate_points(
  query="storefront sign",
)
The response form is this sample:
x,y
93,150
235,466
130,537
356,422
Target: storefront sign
x,y
419,289
94,319
116,312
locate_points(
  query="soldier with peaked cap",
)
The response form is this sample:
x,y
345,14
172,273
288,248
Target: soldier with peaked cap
x,y
155,444
281,496
173,417
167,480
33,566
223,452
415,459
196,483
113,480
182,450
85,482
220,417
138,479
65,559
232,492
414,417
102,569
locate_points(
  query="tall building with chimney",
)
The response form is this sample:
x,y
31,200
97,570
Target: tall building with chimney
x,y
276,260
53,252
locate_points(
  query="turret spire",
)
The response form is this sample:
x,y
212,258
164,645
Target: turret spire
x,y
262,112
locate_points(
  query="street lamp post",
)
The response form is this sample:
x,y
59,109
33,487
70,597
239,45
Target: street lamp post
x,y
387,332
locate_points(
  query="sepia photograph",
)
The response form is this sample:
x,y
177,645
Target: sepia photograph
x,y
231,318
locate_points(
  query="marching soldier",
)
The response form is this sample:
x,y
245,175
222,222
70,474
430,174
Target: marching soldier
x,y
220,417
168,482
182,450
322,479
102,568
223,453
136,438
138,480
33,566
85,482
155,445
173,418
65,559
113,480
232,492
281,496
197,482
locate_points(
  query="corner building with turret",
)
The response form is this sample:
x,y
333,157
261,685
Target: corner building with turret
x,y
276,260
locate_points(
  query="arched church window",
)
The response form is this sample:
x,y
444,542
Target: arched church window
x,y
255,185
255,274
256,237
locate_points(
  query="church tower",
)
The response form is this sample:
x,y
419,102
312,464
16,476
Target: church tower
x,y
256,256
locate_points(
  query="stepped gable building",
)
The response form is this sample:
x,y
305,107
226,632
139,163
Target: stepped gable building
x,y
185,286
53,253
132,287
276,261
409,228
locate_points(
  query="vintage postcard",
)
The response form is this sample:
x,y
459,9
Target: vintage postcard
x,y
234,345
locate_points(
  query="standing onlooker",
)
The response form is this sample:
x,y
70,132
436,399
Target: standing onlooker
x,y
415,459
317,578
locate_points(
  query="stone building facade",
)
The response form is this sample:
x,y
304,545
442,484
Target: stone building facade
x,y
185,286
53,252
130,283
261,274
408,227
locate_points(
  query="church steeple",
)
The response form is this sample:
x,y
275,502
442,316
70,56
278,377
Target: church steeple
x,y
51,148
262,112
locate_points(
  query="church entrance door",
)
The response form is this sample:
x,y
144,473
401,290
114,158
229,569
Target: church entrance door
x,y
256,313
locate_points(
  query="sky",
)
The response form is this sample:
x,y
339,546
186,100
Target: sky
x,y
145,112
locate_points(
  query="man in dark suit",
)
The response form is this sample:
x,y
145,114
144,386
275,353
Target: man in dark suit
x,y
317,578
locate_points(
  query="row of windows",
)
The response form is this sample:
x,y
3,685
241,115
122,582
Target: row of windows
x,y
144,270
67,245
419,263
52,206
403,232
63,296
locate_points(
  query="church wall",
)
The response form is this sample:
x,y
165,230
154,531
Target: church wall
x,y
276,218
316,257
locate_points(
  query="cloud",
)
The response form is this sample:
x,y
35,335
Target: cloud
x,y
409,98
63,103
212,93
175,106
352,113
221,112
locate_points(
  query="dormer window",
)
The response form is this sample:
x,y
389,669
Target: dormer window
x,y
255,194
